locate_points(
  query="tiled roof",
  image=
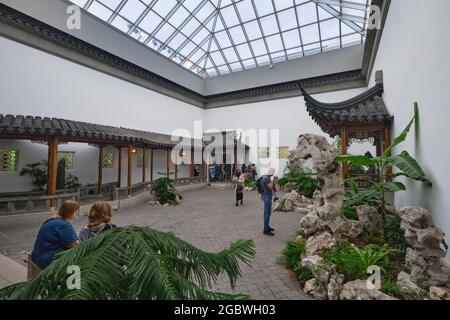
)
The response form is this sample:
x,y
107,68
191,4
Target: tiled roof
x,y
44,126
365,108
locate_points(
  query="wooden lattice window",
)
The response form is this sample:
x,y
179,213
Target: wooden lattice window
x,y
263,152
283,152
140,160
108,160
69,156
8,160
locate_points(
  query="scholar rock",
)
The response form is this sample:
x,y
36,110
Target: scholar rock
x,y
370,219
314,288
335,286
359,290
425,249
437,293
406,286
320,243
312,262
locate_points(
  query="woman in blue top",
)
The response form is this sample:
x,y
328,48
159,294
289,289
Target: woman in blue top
x,y
56,234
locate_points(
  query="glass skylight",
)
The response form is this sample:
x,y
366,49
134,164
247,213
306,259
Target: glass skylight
x,y
216,37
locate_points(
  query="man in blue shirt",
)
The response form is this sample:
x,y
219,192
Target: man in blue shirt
x,y
268,188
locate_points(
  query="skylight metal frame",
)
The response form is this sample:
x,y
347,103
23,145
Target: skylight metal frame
x,y
193,42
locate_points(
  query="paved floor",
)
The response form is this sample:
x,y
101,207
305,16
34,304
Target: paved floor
x,y
208,219
11,272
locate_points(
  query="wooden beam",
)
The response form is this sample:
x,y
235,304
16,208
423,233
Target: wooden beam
x,y
344,142
130,167
144,162
119,167
52,169
151,163
100,168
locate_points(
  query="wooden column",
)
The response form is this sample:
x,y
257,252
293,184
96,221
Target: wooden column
x,y
191,168
144,162
100,169
168,162
119,167
130,167
387,143
52,169
235,166
344,143
378,143
151,164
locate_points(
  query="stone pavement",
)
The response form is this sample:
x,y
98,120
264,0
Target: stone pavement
x,y
11,272
208,219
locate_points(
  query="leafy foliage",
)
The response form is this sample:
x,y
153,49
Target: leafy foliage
x,y
163,190
302,273
302,181
407,166
292,251
72,182
38,173
393,234
353,262
249,182
134,263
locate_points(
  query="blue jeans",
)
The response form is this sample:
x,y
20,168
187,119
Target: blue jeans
x,y
267,199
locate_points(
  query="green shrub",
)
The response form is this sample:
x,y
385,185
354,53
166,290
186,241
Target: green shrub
x,y
164,191
304,182
350,213
250,183
302,273
390,287
353,262
393,234
291,253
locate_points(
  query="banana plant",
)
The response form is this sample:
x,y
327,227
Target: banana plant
x,y
407,166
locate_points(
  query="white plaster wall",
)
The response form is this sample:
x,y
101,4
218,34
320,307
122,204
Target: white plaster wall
x,y
33,82
415,57
85,163
289,116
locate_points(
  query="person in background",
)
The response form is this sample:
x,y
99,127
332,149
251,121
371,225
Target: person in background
x,y
254,172
244,168
267,194
212,172
196,170
99,219
55,235
238,180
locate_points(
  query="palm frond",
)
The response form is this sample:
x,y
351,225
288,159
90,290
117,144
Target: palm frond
x,y
137,263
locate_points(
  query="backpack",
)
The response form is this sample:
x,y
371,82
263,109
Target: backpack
x,y
259,185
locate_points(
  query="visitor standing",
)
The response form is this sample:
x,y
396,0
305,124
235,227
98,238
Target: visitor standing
x,y
254,172
238,180
267,193
55,235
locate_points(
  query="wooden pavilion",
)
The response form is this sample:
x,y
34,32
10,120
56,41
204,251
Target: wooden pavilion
x,y
360,119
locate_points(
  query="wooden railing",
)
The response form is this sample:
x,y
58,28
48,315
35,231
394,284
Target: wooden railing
x,y
33,203
92,191
189,180
126,192
26,202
